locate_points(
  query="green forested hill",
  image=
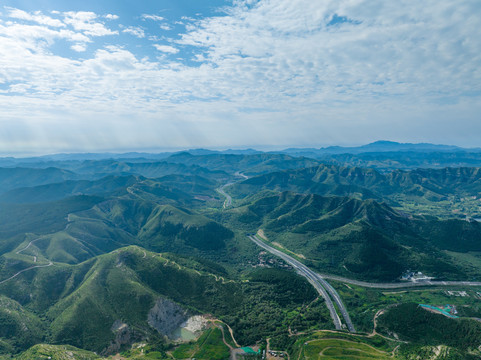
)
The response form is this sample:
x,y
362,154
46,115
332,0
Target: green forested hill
x,y
358,238
331,179
11,178
423,328
79,304
60,190
248,164
75,229
446,192
173,188
404,160
93,251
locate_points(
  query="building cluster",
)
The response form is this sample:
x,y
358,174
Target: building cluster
x,y
457,293
451,309
276,353
265,260
415,276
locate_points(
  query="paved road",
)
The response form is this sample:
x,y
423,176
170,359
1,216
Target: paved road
x,y
337,299
313,279
30,268
245,177
228,198
26,247
400,284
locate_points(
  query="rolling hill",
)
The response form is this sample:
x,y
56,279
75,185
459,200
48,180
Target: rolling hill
x,y
357,238
132,295
440,188
98,252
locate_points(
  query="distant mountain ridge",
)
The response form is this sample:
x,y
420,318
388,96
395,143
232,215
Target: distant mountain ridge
x,y
377,146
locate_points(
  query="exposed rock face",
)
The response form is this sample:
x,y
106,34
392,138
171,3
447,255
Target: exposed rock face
x,y
166,316
122,337
195,323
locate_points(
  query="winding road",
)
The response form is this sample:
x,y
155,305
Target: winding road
x,y
21,271
228,198
29,268
26,247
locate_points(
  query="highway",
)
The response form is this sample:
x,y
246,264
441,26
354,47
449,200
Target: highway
x,y
399,285
322,287
337,299
327,291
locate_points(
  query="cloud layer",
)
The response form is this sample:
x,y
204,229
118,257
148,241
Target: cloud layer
x,y
284,72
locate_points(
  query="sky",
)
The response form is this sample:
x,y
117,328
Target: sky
x,y
152,75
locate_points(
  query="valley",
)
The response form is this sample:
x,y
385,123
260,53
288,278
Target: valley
x,y
106,258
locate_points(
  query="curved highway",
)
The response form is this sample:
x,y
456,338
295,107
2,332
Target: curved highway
x,y
322,287
325,289
337,299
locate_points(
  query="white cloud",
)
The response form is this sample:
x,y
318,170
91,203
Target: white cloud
x,y
19,88
267,72
152,17
37,17
111,17
375,49
135,31
85,21
165,27
166,49
80,47
36,37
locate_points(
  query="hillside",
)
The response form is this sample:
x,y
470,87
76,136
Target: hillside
x,y
357,238
248,164
60,190
11,178
404,160
99,254
431,187
132,294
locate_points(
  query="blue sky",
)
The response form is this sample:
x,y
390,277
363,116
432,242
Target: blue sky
x,y
153,75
